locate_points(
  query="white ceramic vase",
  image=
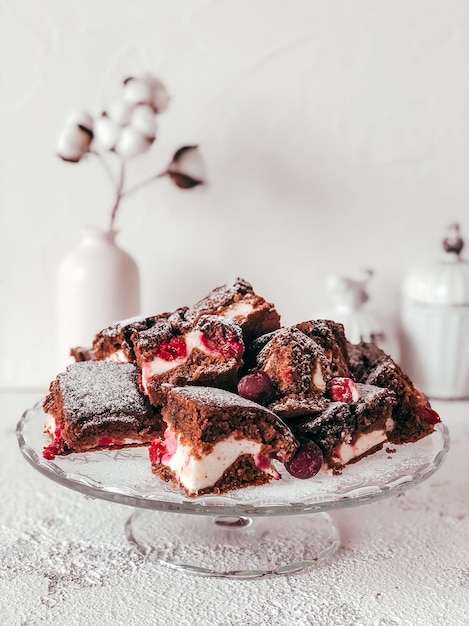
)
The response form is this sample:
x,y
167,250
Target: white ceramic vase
x,y
98,284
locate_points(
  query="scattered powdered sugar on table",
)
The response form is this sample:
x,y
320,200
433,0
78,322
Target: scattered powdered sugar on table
x,y
63,562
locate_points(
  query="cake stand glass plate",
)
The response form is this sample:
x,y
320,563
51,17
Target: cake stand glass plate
x,y
273,529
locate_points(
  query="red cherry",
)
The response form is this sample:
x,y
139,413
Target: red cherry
x,y
57,447
257,387
107,441
175,349
343,389
428,414
156,451
221,343
161,450
307,461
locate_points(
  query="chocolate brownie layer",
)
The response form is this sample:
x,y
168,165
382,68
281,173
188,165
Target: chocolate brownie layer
x,y
412,414
116,342
209,353
80,353
298,369
242,473
348,431
203,416
254,314
373,409
328,428
330,336
99,403
214,428
362,357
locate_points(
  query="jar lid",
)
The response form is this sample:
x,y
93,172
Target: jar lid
x,y
445,282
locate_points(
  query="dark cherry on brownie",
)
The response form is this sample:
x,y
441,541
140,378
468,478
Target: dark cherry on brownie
x,y
307,460
298,368
95,404
256,386
209,352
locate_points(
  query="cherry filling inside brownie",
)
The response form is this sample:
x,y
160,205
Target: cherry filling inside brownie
x,y
413,415
207,353
356,422
96,404
239,302
216,441
114,343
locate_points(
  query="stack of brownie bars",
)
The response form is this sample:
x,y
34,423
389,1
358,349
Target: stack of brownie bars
x,y
224,396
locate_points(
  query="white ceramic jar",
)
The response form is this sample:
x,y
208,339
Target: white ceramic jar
x,y
435,323
98,284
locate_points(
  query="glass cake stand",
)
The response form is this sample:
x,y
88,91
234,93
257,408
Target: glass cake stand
x,y
274,529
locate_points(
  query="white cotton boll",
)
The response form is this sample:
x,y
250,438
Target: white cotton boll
x,y
137,91
73,143
120,112
132,142
106,133
80,118
143,119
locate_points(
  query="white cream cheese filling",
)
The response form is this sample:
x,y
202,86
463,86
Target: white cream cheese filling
x,y
345,452
50,425
318,378
118,357
197,474
239,309
161,366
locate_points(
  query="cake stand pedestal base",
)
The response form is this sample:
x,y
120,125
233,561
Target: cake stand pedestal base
x,y
233,546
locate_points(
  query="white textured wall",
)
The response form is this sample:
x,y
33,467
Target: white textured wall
x,y
336,137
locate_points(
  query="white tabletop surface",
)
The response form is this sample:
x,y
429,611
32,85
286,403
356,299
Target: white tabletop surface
x,y
64,558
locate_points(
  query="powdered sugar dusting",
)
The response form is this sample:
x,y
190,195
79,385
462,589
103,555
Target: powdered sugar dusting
x,y
223,297
218,398
91,389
